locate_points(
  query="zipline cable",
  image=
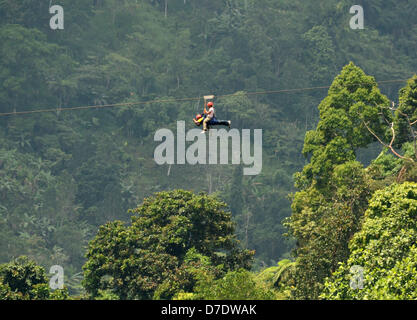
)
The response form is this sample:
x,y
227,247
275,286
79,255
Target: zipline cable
x,y
127,104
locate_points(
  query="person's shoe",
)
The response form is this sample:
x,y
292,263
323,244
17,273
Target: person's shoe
x,y
204,131
230,123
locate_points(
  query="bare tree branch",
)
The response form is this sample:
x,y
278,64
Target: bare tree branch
x,y
391,143
410,125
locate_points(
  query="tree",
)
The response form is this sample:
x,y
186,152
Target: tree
x,y
181,284
323,225
353,101
402,127
406,113
321,54
280,278
333,186
31,68
23,279
134,261
235,285
384,248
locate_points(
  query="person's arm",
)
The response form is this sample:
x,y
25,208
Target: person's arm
x,y
198,122
211,112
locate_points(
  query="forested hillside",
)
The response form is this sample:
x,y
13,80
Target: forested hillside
x,y
78,185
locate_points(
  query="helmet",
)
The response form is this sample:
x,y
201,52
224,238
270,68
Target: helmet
x,y
210,104
198,116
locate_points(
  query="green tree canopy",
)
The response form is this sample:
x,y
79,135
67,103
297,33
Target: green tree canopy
x,y
23,279
333,186
134,260
406,113
353,100
384,248
235,285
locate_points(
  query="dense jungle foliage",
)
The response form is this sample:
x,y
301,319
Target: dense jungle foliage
x,y
81,189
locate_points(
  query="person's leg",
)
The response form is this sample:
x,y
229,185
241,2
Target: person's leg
x,y
215,122
223,123
205,122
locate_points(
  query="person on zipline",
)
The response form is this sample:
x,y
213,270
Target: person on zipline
x,y
209,118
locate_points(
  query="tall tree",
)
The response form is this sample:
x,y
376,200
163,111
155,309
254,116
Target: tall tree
x,y
333,185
